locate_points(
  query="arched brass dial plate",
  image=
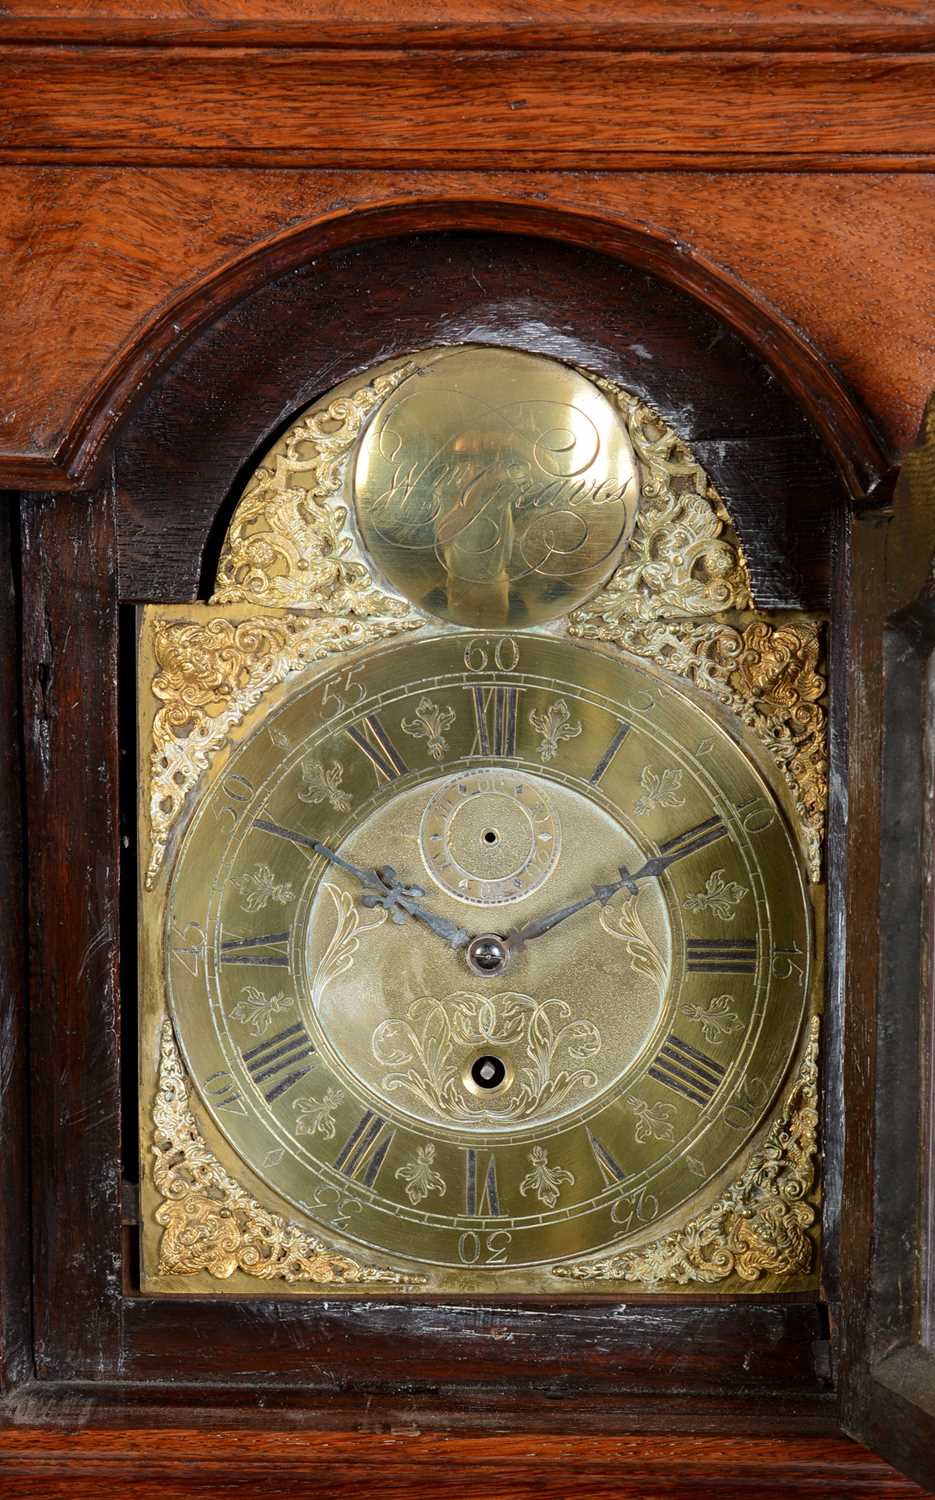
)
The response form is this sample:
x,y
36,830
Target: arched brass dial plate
x,y
624,1059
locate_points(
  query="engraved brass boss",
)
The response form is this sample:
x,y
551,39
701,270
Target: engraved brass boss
x,y
495,488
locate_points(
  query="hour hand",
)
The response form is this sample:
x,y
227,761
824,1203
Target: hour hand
x,y
382,886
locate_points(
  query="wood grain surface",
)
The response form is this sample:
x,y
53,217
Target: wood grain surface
x,y
105,274
595,109
173,1464
665,25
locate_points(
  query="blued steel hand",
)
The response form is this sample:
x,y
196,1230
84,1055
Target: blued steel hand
x,y
382,886
677,848
601,893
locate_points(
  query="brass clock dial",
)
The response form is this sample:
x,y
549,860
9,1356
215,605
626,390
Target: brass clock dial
x,y
487,953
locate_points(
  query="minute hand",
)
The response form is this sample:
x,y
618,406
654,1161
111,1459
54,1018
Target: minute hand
x,y
686,843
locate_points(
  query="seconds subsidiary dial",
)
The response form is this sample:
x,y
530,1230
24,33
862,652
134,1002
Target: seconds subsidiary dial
x,y
502,953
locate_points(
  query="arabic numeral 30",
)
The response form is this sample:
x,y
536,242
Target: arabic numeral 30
x,y
488,1249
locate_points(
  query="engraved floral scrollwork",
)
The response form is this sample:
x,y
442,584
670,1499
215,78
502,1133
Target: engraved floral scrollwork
x,y
544,1180
430,723
554,725
213,1225
420,1176
209,674
288,542
423,1052
758,1227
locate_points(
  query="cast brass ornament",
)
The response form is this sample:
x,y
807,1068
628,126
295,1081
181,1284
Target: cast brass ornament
x,y
211,1224
431,1056
288,543
758,1227
210,673
683,559
488,951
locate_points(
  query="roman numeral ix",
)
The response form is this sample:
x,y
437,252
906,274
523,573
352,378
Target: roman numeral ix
x,y
271,950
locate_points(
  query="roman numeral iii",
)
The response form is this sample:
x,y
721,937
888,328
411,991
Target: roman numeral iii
x,y
686,1070
720,955
280,1061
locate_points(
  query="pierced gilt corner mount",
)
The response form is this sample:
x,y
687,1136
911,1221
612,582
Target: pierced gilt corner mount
x,y
679,598
211,1224
760,1226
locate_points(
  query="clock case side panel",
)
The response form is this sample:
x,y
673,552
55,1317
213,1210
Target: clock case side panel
x,y
178,469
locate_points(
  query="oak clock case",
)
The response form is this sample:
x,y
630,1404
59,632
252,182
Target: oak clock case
x,y
481,871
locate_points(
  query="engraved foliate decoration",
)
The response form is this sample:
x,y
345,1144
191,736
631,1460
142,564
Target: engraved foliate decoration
x,y
210,1224
519,535
352,847
382,1089
758,1227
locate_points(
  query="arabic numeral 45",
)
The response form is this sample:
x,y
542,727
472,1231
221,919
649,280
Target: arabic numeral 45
x,y
190,947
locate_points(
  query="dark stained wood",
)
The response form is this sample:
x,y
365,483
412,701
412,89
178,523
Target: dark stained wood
x,y
15,1309
189,312
69,690
572,1353
401,1463
184,456
888,1369
588,110
665,25
105,275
